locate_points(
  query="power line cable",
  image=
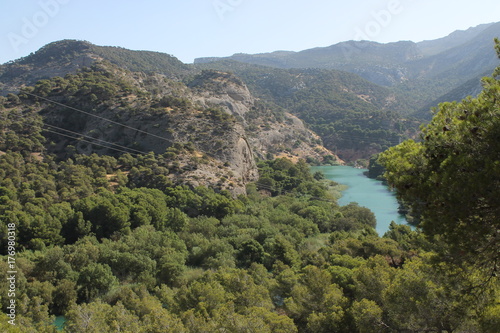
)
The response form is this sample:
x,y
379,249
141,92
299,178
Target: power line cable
x,y
90,142
86,136
99,117
344,136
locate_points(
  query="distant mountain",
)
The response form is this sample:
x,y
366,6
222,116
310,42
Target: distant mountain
x,y
471,87
67,56
456,38
418,72
92,102
392,63
371,60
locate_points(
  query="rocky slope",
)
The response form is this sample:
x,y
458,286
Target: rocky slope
x,y
68,56
271,131
212,124
417,73
353,116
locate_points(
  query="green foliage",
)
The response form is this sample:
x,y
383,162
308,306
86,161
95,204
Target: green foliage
x,y
367,316
20,129
281,176
375,169
111,243
95,280
350,114
450,178
356,217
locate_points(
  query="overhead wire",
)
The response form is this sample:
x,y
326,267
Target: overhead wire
x,y
78,136
98,117
90,142
92,138
112,121
342,136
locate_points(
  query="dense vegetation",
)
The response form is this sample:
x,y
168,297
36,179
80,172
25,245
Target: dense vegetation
x,y
191,260
67,51
354,117
451,178
111,244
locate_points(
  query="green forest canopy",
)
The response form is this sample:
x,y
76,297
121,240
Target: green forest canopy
x,y
451,179
112,245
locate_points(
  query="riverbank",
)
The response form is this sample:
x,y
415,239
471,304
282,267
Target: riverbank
x,y
369,193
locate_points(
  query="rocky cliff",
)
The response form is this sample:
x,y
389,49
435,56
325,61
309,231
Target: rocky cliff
x,y
211,122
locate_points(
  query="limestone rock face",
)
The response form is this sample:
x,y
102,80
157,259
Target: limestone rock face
x,y
212,113
269,132
224,90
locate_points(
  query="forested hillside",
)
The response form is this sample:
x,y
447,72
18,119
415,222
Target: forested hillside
x,y
67,56
354,117
141,201
113,246
417,73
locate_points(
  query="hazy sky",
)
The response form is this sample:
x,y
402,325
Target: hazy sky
x,y
197,28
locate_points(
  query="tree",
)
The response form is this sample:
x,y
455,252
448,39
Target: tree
x,y
372,279
490,320
250,252
360,217
283,250
106,213
425,296
64,296
315,302
452,177
367,316
99,317
95,280
160,320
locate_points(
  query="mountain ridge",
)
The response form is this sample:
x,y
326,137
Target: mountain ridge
x,y
443,64
455,38
362,108
69,56
213,125
340,55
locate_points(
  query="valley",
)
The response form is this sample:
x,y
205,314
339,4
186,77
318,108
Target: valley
x,y
359,97
141,194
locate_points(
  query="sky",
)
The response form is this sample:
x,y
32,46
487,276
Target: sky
x,y
189,29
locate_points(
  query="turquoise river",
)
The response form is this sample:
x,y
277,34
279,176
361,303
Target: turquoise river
x,y
367,192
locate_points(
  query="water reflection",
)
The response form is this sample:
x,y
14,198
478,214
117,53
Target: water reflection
x,y
367,192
